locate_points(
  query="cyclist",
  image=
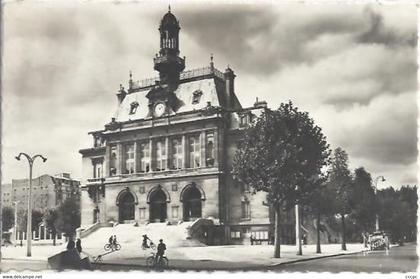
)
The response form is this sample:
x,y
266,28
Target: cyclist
x,y
110,241
160,251
144,244
114,242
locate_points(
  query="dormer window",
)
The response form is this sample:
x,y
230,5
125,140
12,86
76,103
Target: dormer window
x,y
133,107
196,96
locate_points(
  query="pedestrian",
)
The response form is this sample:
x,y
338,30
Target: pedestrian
x,y
144,244
79,245
70,244
252,240
160,251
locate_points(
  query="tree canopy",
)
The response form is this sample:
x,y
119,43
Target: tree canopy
x,y
282,154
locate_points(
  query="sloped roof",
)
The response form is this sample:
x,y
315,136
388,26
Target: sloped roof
x,y
184,93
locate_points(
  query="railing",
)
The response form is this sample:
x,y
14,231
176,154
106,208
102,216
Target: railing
x,y
199,72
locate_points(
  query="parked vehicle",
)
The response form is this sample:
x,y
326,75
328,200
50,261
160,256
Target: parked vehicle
x,y
378,241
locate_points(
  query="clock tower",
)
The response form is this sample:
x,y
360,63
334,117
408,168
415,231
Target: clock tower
x,y
167,62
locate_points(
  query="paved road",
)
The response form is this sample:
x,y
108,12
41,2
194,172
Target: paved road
x,y
398,259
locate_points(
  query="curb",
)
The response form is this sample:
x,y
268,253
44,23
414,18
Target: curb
x,y
316,258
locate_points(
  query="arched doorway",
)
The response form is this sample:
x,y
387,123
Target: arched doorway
x,y
158,206
126,206
191,199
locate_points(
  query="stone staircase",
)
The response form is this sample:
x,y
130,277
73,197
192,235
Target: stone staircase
x,y
176,235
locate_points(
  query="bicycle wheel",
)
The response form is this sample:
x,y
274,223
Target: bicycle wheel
x,y
150,261
107,247
164,262
117,247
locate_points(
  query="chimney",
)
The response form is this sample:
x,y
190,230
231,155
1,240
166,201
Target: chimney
x,y
260,104
230,86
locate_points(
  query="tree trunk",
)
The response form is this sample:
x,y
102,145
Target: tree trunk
x,y
343,225
318,239
298,236
54,236
277,232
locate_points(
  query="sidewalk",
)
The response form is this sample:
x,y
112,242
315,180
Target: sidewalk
x,y
198,258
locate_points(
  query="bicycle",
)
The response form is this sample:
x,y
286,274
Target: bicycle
x,y
151,246
113,247
152,263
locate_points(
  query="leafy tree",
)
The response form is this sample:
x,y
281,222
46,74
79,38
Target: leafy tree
x,y
397,213
363,201
51,222
23,217
340,182
69,216
8,218
321,204
282,154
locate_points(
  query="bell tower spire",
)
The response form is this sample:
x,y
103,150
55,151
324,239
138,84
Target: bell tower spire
x,y
168,63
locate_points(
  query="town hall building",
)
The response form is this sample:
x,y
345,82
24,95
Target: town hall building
x,y
167,154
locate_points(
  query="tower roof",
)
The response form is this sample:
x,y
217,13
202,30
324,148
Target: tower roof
x,y
169,19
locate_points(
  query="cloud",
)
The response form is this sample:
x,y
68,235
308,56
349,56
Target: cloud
x,y
352,67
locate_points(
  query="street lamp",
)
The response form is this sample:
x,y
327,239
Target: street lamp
x,y
376,191
29,221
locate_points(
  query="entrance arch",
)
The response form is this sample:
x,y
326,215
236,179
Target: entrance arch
x,y
157,204
126,206
191,198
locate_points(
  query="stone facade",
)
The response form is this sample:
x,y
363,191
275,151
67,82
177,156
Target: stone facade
x,y
47,191
167,155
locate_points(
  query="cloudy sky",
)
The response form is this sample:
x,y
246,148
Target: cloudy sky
x,y
352,67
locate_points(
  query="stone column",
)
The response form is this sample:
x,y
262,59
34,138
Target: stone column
x,y
202,149
185,151
151,157
120,158
107,160
167,150
136,161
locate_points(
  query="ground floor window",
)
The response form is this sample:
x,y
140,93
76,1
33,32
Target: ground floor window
x,y
235,234
259,235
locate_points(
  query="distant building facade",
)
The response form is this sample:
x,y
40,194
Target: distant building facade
x,y
167,154
48,191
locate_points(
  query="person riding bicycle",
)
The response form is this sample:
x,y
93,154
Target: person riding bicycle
x,y
114,241
144,244
111,238
160,251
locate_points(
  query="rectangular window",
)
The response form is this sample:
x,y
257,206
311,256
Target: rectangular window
x,y
209,149
129,158
142,190
177,154
113,161
175,211
235,234
142,213
245,211
160,155
194,151
145,157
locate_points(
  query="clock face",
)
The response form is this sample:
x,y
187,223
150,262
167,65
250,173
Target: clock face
x,y
159,109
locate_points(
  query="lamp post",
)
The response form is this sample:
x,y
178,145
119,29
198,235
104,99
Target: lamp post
x,y
31,161
376,191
